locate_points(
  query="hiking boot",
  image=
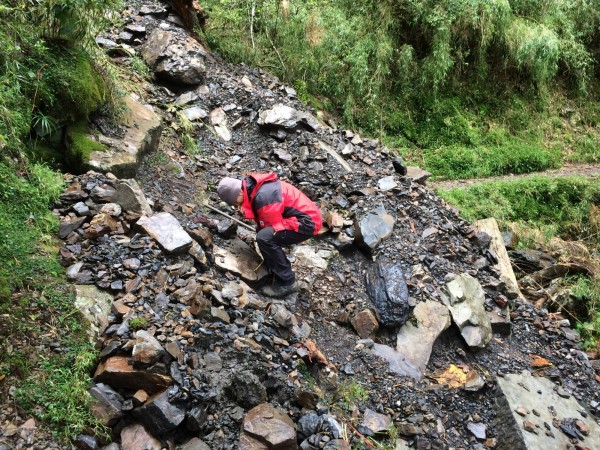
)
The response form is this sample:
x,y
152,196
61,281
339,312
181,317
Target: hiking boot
x,y
279,290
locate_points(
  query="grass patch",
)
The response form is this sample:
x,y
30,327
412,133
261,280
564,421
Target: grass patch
x,y
479,162
586,293
563,206
36,308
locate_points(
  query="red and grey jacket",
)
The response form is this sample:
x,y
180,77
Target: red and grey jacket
x,y
275,203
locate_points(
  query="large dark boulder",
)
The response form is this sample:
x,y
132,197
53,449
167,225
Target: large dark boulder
x,y
388,292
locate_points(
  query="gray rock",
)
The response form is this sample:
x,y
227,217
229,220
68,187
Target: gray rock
x,y
313,257
175,58
247,389
194,113
129,195
478,429
387,183
95,306
159,415
122,155
107,404
185,98
537,393
70,225
418,175
464,297
287,117
165,229
135,437
373,228
414,342
388,292
146,350
375,422
238,257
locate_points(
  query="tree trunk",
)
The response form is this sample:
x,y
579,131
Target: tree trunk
x,y
192,15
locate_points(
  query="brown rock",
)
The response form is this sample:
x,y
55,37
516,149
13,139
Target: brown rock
x,y
365,323
266,427
202,237
528,425
117,372
100,225
135,437
140,397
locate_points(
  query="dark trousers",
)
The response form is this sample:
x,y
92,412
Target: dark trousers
x,y
270,243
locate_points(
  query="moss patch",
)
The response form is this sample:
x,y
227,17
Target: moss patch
x,y
80,145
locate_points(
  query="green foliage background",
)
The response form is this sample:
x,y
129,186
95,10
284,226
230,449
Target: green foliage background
x,y
477,75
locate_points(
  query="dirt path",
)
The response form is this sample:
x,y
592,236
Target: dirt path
x,y
584,170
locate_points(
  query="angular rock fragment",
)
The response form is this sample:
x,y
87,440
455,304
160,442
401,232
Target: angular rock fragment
x,y
165,229
147,350
266,427
95,306
118,373
159,415
365,323
415,341
130,197
388,292
287,117
175,58
464,297
135,437
373,228
238,257
107,404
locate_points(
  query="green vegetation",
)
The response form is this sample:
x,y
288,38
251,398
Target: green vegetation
x,y
477,79
51,74
138,323
587,302
80,145
50,385
561,206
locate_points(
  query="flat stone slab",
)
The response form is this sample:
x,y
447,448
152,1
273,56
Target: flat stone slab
x,y
123,155
313,257
415,342
540,407
165,229
238,257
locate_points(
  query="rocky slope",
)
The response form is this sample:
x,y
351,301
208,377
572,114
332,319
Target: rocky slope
x,y
403,333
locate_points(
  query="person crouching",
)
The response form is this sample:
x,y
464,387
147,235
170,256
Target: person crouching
x,y
283,215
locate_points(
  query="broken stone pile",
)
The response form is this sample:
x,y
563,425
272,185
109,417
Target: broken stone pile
x,y
398,294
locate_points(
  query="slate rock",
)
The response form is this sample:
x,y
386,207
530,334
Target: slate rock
x,y
175,58
118,373
247,389
130,197
465,299
159,415
365,323
387,289
146,350
373,228
537,393
107,404
415,341
165,229
287,117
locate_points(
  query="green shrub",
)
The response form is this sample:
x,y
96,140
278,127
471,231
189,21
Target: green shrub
x,y
513,157
564,203
138,323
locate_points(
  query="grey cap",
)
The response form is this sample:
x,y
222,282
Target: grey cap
x,y
229,189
